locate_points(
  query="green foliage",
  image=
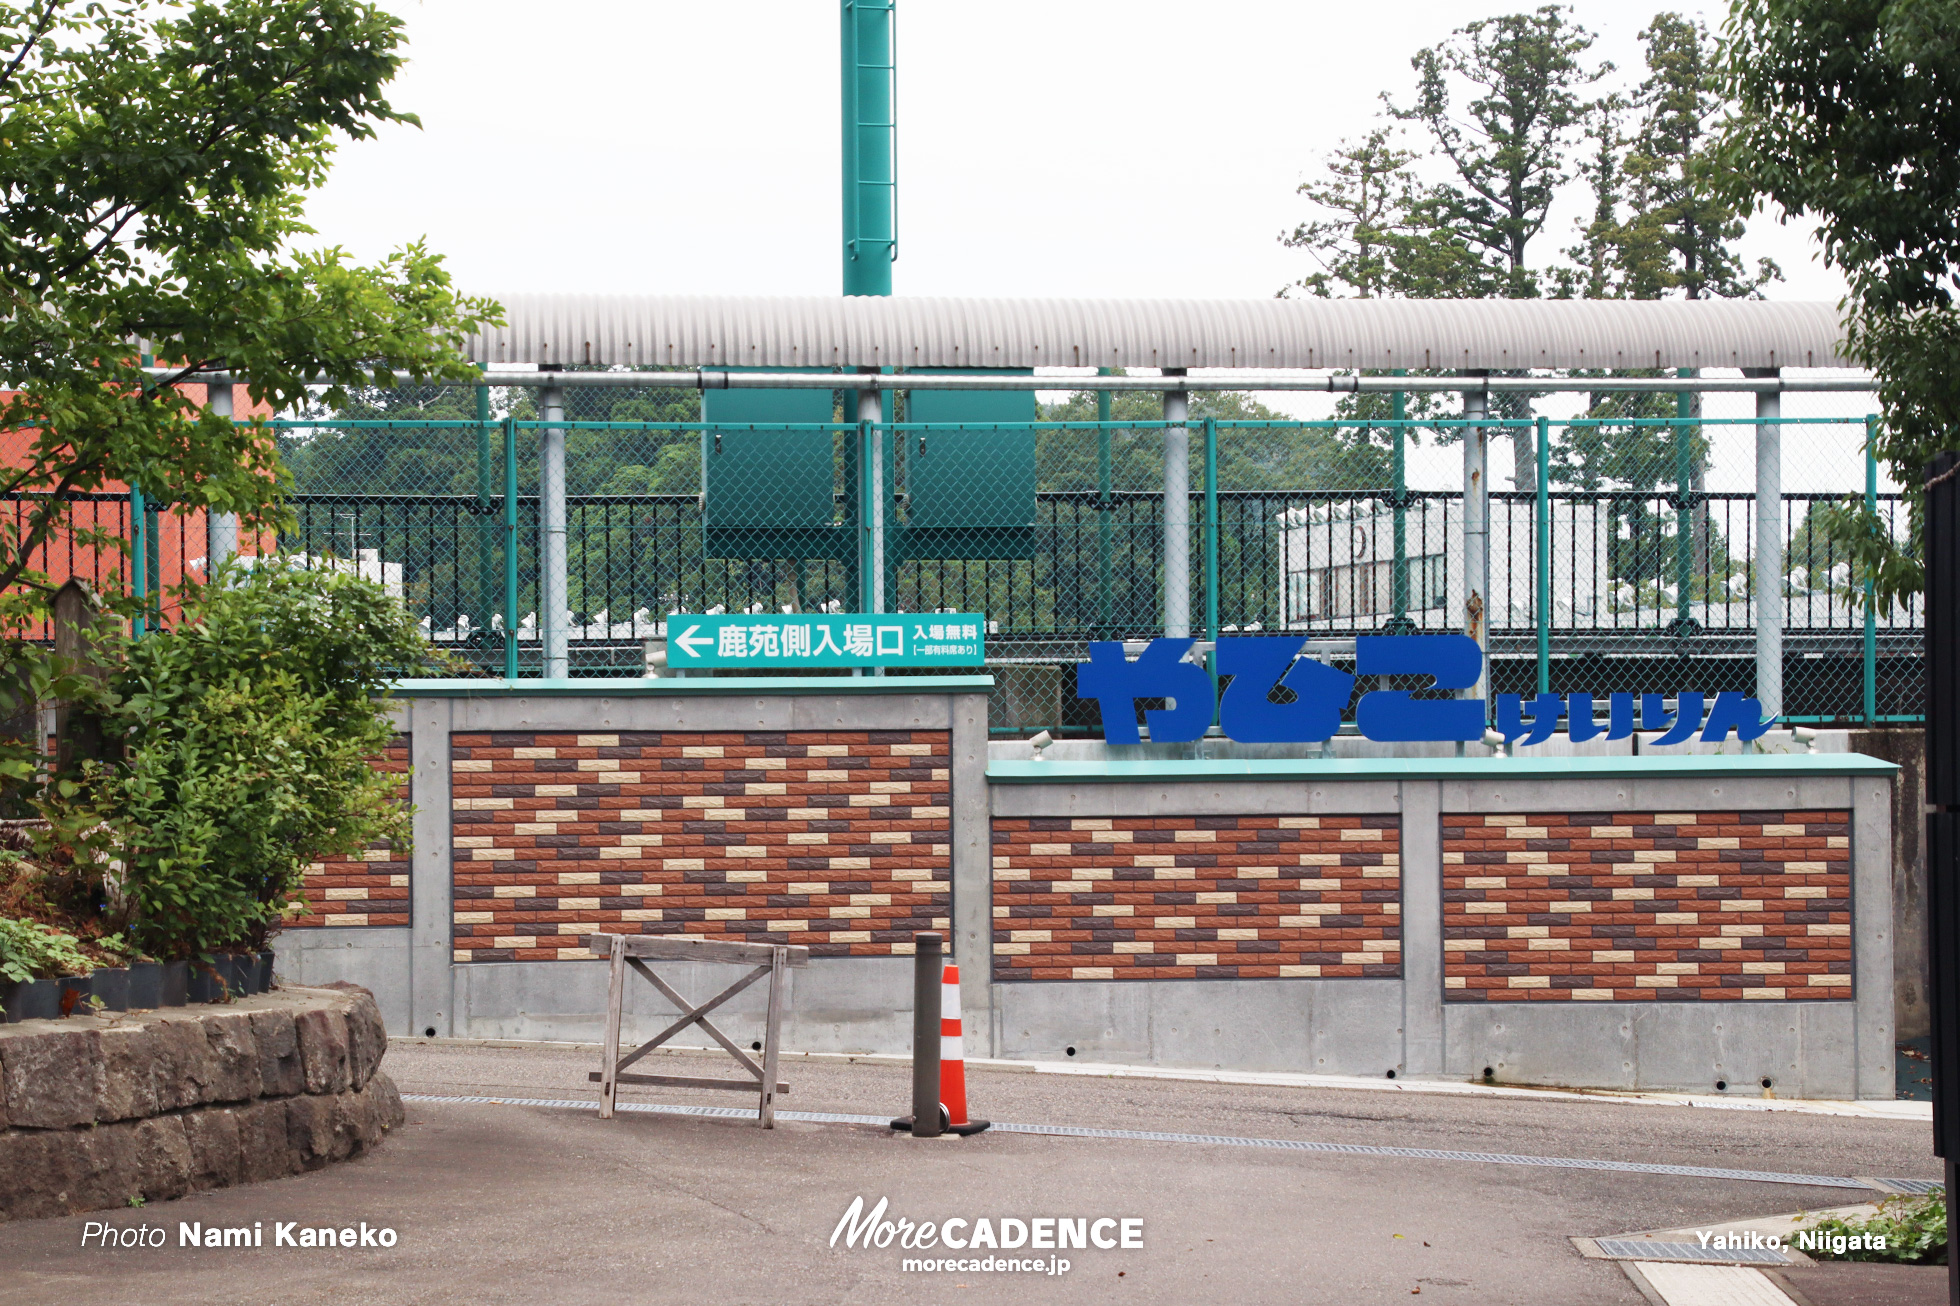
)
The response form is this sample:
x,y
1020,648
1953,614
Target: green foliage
x,y
30,950
151,189
1849,113
1522,83
1381,234
1344,458
1682,230
456,461
250,727
1914,1230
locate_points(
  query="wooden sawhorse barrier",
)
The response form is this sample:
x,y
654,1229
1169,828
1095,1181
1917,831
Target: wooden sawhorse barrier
x,y
635,950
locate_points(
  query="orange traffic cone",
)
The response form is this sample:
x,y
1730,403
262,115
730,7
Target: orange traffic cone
x,y
952,1058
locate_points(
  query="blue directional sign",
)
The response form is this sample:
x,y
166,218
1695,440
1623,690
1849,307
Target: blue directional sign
x,y
787,642
1259,665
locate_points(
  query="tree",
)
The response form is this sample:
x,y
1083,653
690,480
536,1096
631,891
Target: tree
x,y
155,161
1849,113
1379,232
1596,271
1523,80
156,158
1682,231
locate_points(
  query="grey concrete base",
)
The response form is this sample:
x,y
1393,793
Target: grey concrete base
x,y
1803,1048
376,958
845,1004
1328,1027
1331,1027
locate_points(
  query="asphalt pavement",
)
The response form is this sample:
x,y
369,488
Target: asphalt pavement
x,y
492,1202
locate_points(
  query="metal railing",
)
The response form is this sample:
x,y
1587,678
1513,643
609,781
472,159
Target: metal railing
x,y
1644,578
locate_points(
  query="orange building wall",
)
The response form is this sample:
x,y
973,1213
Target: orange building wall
x,y
181,536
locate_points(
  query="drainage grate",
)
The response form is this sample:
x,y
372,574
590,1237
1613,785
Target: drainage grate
x,y
1641,1249
1907,1185
1220,1140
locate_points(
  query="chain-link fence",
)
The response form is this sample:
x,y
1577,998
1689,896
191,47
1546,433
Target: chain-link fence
x,y
1617,550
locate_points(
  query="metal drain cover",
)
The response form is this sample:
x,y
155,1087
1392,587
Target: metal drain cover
x,y
1642,1249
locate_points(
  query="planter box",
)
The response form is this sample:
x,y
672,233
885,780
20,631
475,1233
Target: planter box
x,y
175,989
206,984
33,1000
145,985
264,978
111,984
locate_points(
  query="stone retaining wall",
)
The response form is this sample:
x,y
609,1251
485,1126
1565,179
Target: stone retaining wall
x,y
97,1110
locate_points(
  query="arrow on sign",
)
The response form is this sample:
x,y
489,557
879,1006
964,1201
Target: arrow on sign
x,y
687,640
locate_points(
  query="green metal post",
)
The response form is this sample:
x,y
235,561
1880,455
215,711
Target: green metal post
x,y
1211,529
486,481
510,548
1871,616
1103,506
1684,510
1399,576
867,553
868,47
139,539
1544,550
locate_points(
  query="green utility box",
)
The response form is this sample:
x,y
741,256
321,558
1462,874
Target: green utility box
x,y
970,494
770,493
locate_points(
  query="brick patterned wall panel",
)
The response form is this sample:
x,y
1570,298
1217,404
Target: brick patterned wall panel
x,y
1197,897
370,888
839,840
1647,906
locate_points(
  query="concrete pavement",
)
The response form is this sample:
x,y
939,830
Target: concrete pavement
x,y
498,1203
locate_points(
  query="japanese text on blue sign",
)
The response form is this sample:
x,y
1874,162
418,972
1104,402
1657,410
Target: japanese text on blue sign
x,y
790,641
1258,665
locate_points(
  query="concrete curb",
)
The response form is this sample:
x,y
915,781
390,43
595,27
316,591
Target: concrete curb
x,y
1872,1110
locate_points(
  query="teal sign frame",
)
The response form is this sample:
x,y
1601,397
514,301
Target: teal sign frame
x,y
788,642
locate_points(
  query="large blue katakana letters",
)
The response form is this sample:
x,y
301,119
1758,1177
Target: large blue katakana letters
x,y
1517,728
1396,715
1160,671
1737,712
1259,663
1732,712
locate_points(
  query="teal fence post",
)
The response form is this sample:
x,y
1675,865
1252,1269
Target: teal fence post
x,y
486,480
139,563
867,556
1399,575
1103,507
1211,529
1543,522
1871,615
510,548
1684,509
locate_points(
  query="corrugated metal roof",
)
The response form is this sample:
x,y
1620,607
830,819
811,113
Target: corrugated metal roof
x,y
702,331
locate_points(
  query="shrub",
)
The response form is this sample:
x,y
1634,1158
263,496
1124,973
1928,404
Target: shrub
x,y
1914,1230
249,730
29,950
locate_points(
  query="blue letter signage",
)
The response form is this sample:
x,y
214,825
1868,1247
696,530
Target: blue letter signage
x,y
1260,664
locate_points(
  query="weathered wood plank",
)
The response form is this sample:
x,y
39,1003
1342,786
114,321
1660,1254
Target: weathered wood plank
x,y
689,1015
679,947
693,1081
673,995
609,1054
772,1027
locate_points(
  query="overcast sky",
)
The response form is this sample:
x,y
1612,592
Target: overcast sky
x,y
1072,148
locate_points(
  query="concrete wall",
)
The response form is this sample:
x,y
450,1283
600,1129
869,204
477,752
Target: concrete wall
x,y
1907,749
1364,1026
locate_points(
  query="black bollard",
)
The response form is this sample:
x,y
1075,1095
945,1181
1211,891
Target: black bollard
x,y
929,963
